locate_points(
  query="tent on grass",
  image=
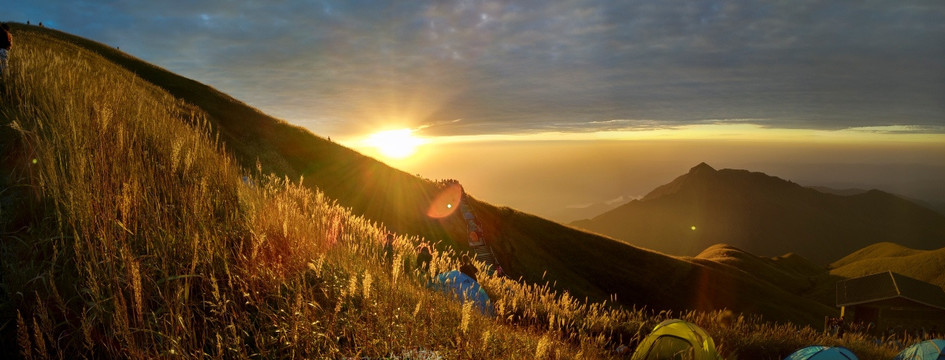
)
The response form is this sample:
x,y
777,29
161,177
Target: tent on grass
x,y
926,350
676,340
465,288
822,353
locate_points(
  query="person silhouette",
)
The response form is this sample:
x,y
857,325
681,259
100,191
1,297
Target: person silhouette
x,y
468,268
423,258
6,42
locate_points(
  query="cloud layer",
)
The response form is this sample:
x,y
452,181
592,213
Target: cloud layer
x,y
341,67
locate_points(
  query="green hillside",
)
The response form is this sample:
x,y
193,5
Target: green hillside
x,y
925,265
128,231
765,215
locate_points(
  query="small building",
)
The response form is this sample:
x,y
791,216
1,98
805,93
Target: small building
x,y
888,300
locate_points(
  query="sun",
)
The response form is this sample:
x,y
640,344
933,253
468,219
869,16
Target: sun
x,y
395,144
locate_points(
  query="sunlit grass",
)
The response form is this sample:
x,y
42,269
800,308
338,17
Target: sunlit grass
x,y
148,241
137,236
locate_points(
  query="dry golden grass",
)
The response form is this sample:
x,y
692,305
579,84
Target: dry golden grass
x,y
925,265
138,237
144,240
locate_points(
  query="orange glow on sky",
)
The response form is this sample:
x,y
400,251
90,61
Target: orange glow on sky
x,y
728,132
552,174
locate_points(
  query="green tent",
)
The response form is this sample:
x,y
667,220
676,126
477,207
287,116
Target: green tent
x,y
926,350
676,340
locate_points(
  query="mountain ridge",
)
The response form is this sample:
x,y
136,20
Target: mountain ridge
x,y
764,215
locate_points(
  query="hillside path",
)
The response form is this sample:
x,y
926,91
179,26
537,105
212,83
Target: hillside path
x,y
476,237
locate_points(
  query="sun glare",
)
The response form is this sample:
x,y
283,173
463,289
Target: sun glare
x,y
395,144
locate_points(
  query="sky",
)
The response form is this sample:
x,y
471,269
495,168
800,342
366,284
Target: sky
x,y
548,106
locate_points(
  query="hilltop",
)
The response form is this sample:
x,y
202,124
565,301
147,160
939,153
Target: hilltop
x,y
765,215
925,265
791,272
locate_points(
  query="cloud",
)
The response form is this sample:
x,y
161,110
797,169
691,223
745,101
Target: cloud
x,y
898,129
524,66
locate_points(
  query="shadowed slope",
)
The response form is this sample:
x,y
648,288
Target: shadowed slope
x,y
790,272
643,277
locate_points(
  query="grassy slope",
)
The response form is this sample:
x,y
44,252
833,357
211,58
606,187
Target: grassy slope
x,y
647,278
791,272
367,186
925,265
529,246
133,237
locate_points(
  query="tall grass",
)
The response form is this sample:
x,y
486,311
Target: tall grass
x,y
135,235
144,241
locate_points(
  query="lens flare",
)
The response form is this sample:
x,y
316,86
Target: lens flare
x,y
444,204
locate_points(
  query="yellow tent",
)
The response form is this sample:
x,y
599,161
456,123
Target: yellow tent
x,y
676,340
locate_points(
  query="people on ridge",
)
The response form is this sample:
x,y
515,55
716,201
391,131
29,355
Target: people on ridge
x,y
6,42
468,268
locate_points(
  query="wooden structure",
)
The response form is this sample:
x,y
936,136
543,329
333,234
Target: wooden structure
x,y
889,300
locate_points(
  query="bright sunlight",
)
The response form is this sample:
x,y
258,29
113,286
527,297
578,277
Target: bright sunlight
x,y
395,144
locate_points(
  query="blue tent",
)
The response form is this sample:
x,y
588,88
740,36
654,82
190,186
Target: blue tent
x,y
822,353
926,350
463,287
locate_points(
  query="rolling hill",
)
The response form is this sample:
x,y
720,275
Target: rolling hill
x,y
791,272
765,215
534,249
925,265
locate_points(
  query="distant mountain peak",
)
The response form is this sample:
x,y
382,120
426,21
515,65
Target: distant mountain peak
x,y
702,168
699,174
766,215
